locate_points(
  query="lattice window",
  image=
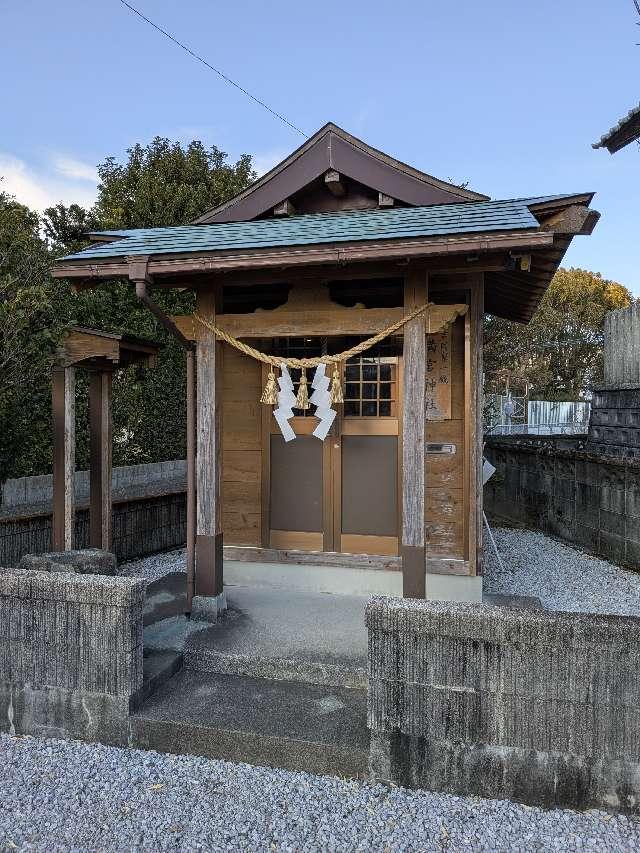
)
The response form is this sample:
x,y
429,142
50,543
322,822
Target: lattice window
x,y
371,387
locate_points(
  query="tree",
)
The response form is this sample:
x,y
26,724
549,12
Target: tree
x,y
158,184
166,184
559,353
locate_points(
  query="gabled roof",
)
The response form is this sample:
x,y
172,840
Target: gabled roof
x,y
317,228
627,130
333,148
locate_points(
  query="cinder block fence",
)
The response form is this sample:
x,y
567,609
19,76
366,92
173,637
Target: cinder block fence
x,y
533,706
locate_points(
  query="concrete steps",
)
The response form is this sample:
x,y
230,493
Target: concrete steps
x,y
289,724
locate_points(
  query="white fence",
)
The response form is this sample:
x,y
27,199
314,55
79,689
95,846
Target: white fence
x,y
517,415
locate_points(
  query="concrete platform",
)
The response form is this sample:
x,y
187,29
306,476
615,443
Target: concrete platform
x,y
284,724
285,635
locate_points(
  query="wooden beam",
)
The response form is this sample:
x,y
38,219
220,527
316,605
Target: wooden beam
x,y
319,323
209,579
575,219
100,456
413,442
334,184
191,475
385,200
285,208
64,457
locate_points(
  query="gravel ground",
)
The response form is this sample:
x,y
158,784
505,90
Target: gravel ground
x,y
67,796
562,577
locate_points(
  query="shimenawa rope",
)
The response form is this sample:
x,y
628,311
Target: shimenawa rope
x,y
276,360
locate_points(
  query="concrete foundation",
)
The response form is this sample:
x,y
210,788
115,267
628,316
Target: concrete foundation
x,y
453,588
529,705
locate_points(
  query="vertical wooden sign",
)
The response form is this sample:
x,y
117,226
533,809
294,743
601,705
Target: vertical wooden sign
x,y
438,376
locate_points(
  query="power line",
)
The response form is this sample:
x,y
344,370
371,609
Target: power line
x,y
212,68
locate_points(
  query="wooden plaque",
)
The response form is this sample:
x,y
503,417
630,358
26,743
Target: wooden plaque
x,y
438,376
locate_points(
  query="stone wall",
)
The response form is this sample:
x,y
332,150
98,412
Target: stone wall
x,y
559,487
70,654
533,706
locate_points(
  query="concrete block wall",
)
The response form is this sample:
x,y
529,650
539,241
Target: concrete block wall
x,y
589,500
70,653
534,706
32,491
614,428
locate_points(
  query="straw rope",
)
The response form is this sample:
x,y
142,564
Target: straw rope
x,y
276,360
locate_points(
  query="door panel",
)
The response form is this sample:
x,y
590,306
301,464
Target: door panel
x,y
296,493
370,485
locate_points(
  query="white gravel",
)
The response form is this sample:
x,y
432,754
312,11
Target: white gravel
x,y
564,578
67,796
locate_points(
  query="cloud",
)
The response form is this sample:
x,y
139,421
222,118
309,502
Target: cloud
x,y
64,179
76,169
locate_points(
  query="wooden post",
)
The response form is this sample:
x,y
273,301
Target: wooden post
x,y
474,325
100,457
191,475
209,473
413,441
64,457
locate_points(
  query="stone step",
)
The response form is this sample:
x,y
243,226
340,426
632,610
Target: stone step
x,y
291,725
319,672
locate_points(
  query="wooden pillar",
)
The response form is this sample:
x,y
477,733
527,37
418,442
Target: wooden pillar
x,y
100,460
209,454
64,457
413,441
473,357
191,475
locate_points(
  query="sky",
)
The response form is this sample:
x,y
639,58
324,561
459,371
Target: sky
x,y
504,94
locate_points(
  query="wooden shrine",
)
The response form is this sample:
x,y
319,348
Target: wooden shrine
x,y
338,244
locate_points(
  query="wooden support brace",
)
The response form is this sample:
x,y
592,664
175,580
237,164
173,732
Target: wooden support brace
x,y
285,208
334,184
64,457
100,460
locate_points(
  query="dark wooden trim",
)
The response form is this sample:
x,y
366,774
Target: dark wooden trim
x,y
209,563
332,148
413,571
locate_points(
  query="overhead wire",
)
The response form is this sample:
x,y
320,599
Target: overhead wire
x,y
217,71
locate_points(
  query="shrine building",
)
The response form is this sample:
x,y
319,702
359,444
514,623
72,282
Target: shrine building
x,y
348,284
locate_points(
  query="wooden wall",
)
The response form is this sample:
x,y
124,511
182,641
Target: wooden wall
x,y
444,475
241,449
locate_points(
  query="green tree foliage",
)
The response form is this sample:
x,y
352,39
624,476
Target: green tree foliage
x,y
559,353
157,185
166,184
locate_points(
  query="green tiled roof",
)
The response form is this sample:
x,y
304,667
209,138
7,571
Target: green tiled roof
x,y
317,228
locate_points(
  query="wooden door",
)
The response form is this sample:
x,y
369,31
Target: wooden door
x,y
366,492
341,494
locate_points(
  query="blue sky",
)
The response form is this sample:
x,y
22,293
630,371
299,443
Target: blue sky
x,y
506,95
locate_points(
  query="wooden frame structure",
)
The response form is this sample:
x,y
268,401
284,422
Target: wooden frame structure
x,y
294,272
99,353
